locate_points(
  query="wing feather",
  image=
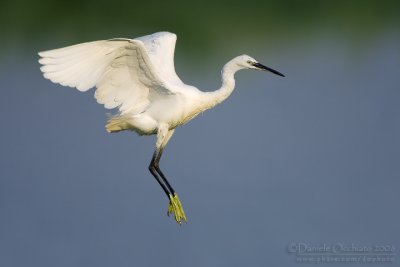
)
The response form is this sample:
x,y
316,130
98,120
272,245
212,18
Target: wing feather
x,y
75,65
122,70
160,47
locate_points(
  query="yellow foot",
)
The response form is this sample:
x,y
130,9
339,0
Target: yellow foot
x,y
175,207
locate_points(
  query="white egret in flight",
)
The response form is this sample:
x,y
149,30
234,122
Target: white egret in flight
x,y
138,77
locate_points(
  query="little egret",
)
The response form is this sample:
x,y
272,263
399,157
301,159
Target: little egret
x,y
138,77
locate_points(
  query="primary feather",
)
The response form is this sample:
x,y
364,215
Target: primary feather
x,y
128,73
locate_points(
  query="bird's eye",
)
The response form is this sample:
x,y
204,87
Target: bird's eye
x,y
249,61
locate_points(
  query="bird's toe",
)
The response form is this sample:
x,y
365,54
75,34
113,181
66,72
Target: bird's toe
x,y
175,207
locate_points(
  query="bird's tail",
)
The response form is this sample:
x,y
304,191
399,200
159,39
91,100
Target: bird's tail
x,y
117,123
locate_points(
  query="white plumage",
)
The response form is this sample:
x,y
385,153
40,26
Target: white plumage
x,y
138,77
126,72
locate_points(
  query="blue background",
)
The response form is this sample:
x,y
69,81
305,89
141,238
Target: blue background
x,y
311,158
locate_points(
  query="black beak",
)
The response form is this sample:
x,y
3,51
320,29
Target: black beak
x,y
262,67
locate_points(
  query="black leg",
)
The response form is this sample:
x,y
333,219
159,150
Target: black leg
x,y
156,158
153,170
175,206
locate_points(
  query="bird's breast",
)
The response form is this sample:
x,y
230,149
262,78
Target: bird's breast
x,y
193,107
175,110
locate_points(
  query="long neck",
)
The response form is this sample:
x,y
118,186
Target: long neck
x,y
228,84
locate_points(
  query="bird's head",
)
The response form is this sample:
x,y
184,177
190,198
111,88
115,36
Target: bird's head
x,y
247,62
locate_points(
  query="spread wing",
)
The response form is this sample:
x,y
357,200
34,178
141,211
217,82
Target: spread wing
x,y
160,47
122,70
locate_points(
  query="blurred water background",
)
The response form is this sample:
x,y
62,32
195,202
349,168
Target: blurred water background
x,y
310,159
